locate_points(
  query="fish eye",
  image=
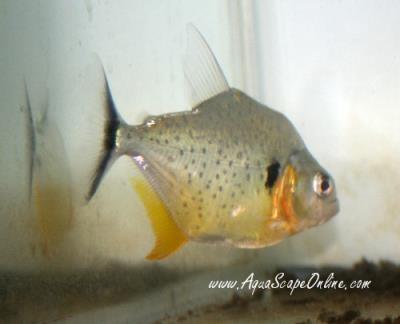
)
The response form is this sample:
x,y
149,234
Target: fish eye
x,y
322,185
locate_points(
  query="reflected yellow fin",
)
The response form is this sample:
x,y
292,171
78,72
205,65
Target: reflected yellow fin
x,y
169,237
53,214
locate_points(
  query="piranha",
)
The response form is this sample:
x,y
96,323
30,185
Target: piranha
x,y
230,171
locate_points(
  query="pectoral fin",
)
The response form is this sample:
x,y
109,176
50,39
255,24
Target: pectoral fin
x,y
169,237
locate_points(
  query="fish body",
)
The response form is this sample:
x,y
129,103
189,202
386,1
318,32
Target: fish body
x,y
210,166
229,171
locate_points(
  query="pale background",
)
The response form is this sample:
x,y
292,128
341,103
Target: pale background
x,y
332,67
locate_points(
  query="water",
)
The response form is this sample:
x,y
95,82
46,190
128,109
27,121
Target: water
x,y
332,68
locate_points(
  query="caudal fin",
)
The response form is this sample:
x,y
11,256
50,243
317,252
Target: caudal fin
x,y
108,154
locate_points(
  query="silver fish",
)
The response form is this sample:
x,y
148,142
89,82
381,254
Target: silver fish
x,y
229,171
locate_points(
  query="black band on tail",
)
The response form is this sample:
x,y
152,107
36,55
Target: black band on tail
x,y
108,154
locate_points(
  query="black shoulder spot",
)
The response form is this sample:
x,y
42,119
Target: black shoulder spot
x,y
272,174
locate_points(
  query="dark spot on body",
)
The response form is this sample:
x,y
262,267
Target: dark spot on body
x,y
248,176
273,174
214,196
191,149
239,155
220,188
204,150
201,175
230,163
177,138
204,165
166,141
223,206
218,162
217,176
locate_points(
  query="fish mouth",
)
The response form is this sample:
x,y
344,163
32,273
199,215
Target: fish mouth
x,y
336,205
330,211
334,201
323,215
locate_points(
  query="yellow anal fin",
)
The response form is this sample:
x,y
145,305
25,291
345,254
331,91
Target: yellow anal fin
x,y
169,236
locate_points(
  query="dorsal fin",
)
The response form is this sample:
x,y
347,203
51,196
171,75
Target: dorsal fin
x,y
203,74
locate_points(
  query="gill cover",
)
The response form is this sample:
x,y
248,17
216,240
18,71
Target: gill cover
x,y
282,199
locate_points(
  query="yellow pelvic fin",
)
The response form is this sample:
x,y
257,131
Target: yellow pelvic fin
x,y
169,236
